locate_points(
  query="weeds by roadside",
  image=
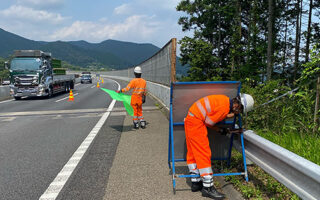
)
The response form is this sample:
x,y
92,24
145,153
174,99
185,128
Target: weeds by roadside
x,y
260,186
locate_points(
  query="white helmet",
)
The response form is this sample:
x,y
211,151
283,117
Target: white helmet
x,y
137,70
247,102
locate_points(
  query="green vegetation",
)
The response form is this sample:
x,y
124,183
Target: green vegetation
x,y
234,40
4,73
260,185
305,145
265,45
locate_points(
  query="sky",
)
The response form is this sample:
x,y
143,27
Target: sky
x,y
140,21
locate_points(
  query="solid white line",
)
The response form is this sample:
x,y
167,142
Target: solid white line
x,y
68,169
6,101
77,84
8,119
93,86
66,97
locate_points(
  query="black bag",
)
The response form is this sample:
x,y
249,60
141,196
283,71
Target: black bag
x,y
143,98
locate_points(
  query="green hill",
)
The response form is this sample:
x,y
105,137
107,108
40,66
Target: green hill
x,y
107,54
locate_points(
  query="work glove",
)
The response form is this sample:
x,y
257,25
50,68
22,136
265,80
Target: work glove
x,y
143,98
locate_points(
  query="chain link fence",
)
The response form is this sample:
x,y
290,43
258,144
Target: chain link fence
x,y
160,68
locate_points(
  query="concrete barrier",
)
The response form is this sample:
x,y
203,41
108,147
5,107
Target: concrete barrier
x,y
160,92
4,92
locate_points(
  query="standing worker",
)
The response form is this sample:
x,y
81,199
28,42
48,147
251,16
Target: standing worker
x,y
206,112
138,85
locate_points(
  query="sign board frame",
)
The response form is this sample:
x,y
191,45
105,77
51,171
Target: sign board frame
x,y
182,96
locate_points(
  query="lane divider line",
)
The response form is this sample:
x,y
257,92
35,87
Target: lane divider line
x,y
93,86
77,84
61,179
66,97
7,101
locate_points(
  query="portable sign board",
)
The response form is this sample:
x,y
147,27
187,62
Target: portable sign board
x,y
183,95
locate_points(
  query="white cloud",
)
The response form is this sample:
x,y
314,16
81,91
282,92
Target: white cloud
x,y
141,21
124,9
163,4
29,15
41,4
133,28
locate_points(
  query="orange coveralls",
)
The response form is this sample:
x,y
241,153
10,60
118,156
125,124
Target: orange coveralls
x,y
207,111
138,85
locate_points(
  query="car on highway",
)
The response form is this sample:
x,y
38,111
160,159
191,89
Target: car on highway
x,y
86,78
5,82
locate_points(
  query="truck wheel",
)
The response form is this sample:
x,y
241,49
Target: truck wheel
x,y
17,98
67,87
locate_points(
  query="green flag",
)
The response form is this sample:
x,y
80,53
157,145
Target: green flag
x,y
126,99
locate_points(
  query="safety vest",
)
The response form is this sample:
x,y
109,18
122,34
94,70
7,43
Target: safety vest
x,y
211,109
138,86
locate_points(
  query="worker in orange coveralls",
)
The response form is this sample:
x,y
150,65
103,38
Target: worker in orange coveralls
x,y
138,85
206,112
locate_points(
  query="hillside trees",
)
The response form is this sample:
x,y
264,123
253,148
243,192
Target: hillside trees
x,y
259,40
4,73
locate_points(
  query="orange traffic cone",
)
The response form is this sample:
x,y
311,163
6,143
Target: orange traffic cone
x,y
98,86
102,81
71,96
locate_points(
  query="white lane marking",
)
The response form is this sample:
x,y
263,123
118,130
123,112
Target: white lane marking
x,y
8,119
77,84
67,97
75,111
58,183
55,112
6,101
93,86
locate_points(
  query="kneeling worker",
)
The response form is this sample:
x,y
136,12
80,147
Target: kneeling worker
x,y
206,112
138,85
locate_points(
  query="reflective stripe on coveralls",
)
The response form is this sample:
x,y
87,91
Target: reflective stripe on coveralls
x,y
194,171
207,180
207,120
204,112
140,118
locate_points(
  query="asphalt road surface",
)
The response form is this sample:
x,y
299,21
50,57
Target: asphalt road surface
x,y
41,140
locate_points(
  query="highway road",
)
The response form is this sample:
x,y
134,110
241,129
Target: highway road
x,y
40,144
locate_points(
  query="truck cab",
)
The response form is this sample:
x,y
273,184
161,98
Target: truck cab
x,y
31,74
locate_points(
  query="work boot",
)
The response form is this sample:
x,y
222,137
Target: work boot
x,y
212,193
196,186
136,125
143,124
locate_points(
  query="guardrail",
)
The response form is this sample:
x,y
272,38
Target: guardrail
x,y
298,174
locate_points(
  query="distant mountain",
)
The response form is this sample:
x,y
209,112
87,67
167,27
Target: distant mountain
x,y
108,54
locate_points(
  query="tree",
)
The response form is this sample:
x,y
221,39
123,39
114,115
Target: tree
x,y
311,71
270,39
198,54
309,31
298,37
210,21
